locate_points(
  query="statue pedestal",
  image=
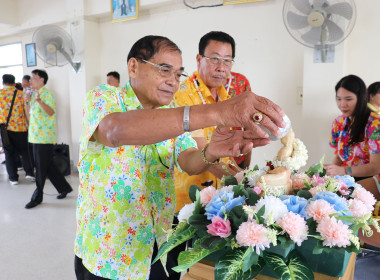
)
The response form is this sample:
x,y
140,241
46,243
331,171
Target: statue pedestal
x,y
204,270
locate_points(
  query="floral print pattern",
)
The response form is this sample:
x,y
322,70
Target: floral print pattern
x,y
17,122
126,196
357,154
42,127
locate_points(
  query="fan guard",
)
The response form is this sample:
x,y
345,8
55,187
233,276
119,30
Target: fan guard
x,y
55,46
319,22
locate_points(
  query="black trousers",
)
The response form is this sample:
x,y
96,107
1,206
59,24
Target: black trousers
x,y
82,273
19,141
45,168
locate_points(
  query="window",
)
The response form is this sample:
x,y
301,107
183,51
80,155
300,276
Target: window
x,y
11,61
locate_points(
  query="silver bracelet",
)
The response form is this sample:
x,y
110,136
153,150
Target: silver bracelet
x,y
186,119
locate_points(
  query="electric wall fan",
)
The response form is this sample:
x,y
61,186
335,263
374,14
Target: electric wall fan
x,y
319,24
55,46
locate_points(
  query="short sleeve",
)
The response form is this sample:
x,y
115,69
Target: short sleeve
x,y
99,102
182,143
48,98
373,136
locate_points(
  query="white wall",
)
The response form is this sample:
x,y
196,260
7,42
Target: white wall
x,y
273,61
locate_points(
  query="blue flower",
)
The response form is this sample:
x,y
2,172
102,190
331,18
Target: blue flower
x,y
295,204
338,202
222,203
347,179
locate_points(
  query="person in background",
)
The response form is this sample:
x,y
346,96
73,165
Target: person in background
x,y
40,111
374,97
355,134
17,130
236,84
113,79
216,53
131,140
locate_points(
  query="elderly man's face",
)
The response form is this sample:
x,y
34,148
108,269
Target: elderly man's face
x,y
214,75
36,82
153,87
112,81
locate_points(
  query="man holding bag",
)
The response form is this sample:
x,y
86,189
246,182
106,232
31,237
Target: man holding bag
x,y
14,130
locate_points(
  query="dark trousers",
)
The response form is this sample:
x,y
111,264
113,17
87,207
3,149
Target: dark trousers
x,y
19,141
45,168
82,273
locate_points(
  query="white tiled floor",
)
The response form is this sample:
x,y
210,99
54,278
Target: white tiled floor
x,y
36,244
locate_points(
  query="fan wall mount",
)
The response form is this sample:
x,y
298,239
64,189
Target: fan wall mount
x,y
55,46
320,24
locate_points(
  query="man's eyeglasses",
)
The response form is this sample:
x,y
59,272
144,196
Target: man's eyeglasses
x,y
216,60
166,71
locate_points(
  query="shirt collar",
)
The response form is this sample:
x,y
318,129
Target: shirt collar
x,y
130,99
223,95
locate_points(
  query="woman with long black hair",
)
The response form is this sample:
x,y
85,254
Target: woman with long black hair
x,y
355,134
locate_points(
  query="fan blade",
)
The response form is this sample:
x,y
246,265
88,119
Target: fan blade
x,y
342,9
313,36
296,21
302,5
335,32
318,3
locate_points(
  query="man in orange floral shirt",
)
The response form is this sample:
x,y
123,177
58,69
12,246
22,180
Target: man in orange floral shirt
x,y
17,129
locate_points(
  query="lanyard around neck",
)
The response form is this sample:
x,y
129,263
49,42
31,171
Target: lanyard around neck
x,y
196,84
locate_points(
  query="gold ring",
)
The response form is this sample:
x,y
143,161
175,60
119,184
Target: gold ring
x,y
257,117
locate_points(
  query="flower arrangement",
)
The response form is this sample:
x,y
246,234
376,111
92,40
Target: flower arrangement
x,y
251,221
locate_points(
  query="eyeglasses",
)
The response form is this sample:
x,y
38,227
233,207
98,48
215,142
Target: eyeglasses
x,y
216,60
166,71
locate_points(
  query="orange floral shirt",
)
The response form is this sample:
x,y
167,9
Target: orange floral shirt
x,y
17,122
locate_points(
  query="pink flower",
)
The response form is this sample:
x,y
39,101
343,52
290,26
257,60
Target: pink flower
x,y
239,176
257,190
316,180
206,194
343,189
314,190
358,208
298,181
319,209
366,197
294,225
253,235
334,232
219,227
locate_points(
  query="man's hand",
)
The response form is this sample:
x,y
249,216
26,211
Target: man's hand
x,y
333,170
231,143
240,109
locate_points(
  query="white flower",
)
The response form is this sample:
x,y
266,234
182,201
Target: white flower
x,y
298,158
186,212
254,175
225,189
274,208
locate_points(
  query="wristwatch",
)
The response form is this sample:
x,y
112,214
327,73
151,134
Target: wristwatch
x,y
348,170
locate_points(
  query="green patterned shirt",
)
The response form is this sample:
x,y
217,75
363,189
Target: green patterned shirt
x,y
42,127
126,196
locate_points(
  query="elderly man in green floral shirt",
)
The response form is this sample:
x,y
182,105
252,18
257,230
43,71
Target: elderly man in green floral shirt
x,y
132,138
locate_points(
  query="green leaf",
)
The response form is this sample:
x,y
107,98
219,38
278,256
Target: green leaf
x,y
250,260
193,255
237,216
210,242
192,192
252,197
316,169
304,194
230,180
256,167
198,208
259,215
230,266
296,269
199,221
174,241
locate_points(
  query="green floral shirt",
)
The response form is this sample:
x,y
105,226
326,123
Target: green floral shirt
x,y
42,126
126,197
